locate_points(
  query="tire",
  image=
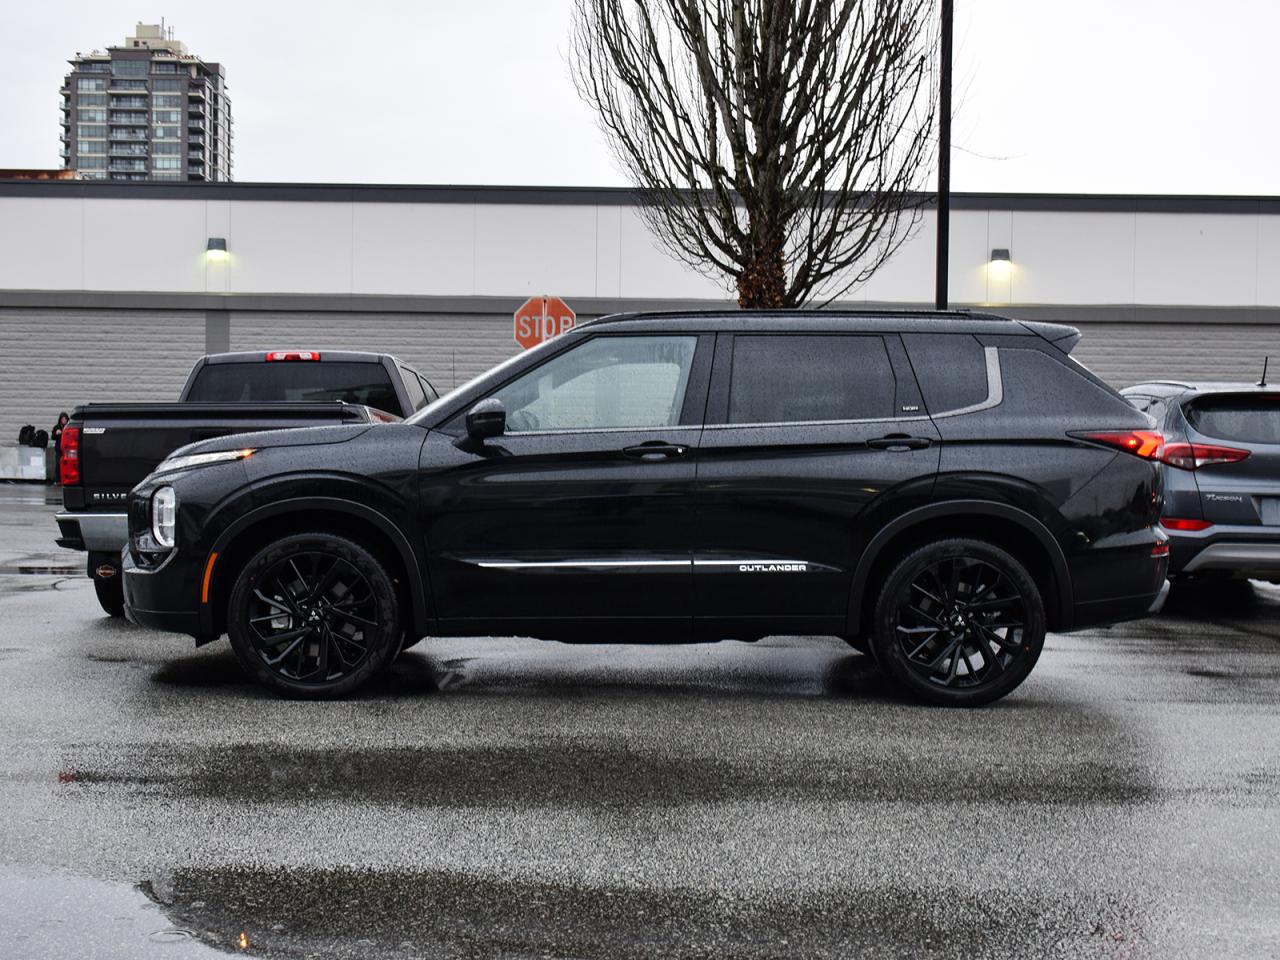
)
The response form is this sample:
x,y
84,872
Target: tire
x,y
110,595
314,616
959,622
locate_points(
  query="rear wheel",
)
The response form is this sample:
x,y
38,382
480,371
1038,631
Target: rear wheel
x,y
314,616
110,593
959,622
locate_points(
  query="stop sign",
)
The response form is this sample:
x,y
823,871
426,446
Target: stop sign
x,y
541,318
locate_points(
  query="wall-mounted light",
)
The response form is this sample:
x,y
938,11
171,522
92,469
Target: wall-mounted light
x,y
1000,263
216,248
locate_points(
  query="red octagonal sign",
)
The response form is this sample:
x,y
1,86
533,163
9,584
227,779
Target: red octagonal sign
x,y
541,318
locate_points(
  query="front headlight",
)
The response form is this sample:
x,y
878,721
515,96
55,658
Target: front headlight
x,y
200,459
164,516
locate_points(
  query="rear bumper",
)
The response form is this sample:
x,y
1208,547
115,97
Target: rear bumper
x,y
99,532
1242,551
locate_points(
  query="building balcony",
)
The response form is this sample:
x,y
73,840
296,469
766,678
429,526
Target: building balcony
x,y
130,103
137,150
128,119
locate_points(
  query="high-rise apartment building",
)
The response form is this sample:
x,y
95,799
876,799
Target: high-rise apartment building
x,y
147,110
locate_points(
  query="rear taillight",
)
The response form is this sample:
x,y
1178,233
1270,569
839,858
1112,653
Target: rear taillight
x,y
69,462
1141,443
1184,524
1161,549
292,355
1193,456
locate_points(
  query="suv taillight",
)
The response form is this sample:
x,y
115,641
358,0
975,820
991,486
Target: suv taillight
x,y
69,463
1193,456
1146,444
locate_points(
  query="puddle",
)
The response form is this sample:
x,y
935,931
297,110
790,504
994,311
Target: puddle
x,y
362,913
43,569
48,915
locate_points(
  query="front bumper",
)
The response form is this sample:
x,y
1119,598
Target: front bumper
x,y
153,597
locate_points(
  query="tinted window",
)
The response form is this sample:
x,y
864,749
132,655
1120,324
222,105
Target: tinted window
x,y
789,378
296,381
606,383
417,397
1244,418
951,369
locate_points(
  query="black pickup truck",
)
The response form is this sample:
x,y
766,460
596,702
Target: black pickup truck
x,y
108,448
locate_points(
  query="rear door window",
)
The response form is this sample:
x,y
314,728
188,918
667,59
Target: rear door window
x,y
793,378
295,381
1244,418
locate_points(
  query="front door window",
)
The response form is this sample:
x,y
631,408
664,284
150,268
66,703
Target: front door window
x,y
607,383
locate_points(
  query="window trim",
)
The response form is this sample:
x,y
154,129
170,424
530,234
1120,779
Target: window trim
x,y
995,388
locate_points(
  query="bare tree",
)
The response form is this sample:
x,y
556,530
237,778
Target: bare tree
x,y
780,143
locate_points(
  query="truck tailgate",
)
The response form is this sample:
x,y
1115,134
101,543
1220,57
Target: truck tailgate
x,y
121,443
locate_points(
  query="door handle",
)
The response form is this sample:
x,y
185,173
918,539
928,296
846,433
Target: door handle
x,y
899,443
655,450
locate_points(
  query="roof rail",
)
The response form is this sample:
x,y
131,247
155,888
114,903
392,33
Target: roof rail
x,y
957,313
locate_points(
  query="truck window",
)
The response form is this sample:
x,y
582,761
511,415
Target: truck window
x,y
295,381
417,397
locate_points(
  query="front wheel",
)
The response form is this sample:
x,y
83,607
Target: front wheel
x,y
959,622
314,616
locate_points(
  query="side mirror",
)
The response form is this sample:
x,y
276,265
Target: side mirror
x,y
488,418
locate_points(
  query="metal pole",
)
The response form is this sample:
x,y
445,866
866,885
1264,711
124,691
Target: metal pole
x,y
944,157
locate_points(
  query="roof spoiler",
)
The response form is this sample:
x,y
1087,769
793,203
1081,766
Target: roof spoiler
x,y
1060,335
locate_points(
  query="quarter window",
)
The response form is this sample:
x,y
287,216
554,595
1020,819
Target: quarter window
x,y
607,383
804,378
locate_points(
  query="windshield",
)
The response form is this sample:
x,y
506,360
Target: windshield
x,y
295,381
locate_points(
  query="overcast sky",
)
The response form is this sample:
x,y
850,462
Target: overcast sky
x,y
1097,96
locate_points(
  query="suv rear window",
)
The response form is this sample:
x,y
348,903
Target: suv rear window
x,y
1245,418
795,378
295,381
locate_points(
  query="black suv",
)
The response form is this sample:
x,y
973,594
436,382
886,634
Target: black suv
x,y
1222,475
939,489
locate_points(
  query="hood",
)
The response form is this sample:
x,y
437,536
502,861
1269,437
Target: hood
x,y
262,439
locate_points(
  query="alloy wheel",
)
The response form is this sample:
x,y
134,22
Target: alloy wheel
x,y
960,623
312,617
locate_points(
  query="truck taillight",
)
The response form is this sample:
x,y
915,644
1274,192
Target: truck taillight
x,y
1146,444
292,355
69,463
1193,456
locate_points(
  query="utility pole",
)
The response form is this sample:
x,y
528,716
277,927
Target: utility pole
x,y
944,157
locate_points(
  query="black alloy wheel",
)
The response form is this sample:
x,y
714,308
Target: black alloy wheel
x,y
315,616
960,622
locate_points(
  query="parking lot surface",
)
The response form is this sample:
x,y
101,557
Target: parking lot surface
x,y
519,798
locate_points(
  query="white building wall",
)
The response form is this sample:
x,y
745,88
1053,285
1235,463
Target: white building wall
x,y
604,251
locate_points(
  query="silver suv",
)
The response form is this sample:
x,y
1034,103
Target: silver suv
x,y
1221,475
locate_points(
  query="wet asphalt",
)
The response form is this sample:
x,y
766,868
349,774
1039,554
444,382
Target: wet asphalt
x,y
527,799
